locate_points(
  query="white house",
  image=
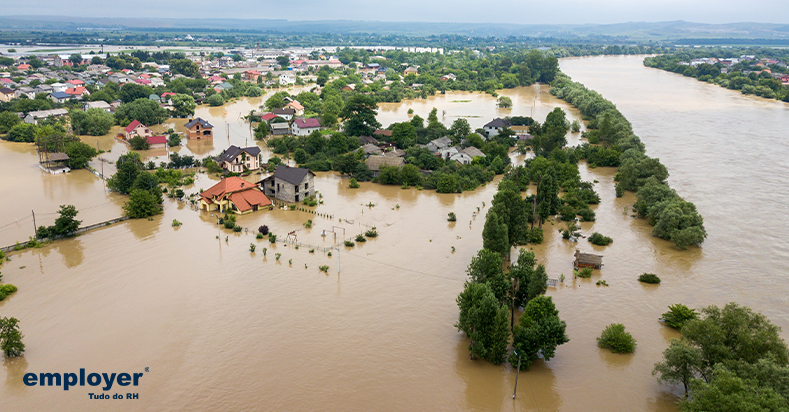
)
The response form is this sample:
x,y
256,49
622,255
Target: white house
x,y
100,104
495,126
461,158
287,78
303,127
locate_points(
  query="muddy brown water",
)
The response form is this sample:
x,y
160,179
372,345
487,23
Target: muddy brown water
x,y
220,328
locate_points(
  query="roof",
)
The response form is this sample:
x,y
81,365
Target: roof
x,y
368,139
370,148
245,199
394,153
197,120
42,114
473,152
76,82
165,94
498,122
292,175
307,123
99,104
157,139
56,157
295,105
133,125
233,151
6,90
279,126
284,111
588,258
76,91
268,116
382,132
377,162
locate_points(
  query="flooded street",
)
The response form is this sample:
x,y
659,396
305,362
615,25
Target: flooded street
x,y
221,328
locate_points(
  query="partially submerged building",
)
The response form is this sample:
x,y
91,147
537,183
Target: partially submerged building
x,y
233,193
291,184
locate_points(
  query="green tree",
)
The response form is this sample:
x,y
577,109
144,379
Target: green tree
x,y
8,120
139,143
185,66
494,235
283,61
678,314
261,130
23,132
540,331
486,267
410,175
183,105
149,182
728,392
389,175
509,205
141,204
681,363
79,154
94,122
130,92
460,129
300,156
129,166
403,135
11,337
145,110
277,100
66,223
359,114
216,100
504,102
615,338
484,320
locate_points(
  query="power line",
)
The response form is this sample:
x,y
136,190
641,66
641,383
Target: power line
x,y
405,269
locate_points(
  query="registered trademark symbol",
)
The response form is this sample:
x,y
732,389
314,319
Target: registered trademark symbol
x,y
146,369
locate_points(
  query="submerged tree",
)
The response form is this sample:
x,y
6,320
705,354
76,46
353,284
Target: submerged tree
x,y
11,337
540,331
484,320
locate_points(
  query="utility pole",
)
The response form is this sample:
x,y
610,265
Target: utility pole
x,y
517,373
35,228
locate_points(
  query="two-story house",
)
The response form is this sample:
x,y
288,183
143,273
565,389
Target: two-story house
x,y
235,159
291,184
198,128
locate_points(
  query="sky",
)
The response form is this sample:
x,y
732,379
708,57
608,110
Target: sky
x,y
471,11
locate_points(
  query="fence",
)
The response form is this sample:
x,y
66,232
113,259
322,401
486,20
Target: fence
x,y
23,245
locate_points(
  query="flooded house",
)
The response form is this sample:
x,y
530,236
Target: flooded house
x,y
291,184
233,193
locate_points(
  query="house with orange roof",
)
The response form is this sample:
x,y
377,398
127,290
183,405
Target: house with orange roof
x,y
77,91
23,67
136,128
251,75
295,106
233,193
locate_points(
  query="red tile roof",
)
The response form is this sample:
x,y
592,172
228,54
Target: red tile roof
x,y
23,67
167,94
157,139
268,116
76,91
75,82
243,194
143,81
307,123
133,125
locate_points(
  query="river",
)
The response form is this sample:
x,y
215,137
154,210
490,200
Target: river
x,y
215,327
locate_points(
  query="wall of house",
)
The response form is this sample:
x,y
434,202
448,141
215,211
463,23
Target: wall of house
x,y
287,192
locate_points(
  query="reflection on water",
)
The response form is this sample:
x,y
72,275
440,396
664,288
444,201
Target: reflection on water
x,y
203,312
15,369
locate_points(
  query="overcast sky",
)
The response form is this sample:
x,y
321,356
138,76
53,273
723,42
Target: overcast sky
x,y
474,11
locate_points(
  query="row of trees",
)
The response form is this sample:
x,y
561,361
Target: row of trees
x,y
674,218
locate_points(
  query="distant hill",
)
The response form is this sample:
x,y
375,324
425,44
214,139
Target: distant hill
x,y
631,31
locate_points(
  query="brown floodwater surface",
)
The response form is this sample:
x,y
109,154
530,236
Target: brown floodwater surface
x,y
221,328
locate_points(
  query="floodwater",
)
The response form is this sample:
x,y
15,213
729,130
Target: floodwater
x,y
215,327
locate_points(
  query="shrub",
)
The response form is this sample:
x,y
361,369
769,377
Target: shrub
x,y
308,223
229,224
324,268
600,240
678,314
649,278
259,236
263,230
349,243
6,290
176,223
587,215
312,250
615,338
585,273
236,228
277,256
353,184
451,217
371,233
272,238
360,238
252,247
619,191
292,207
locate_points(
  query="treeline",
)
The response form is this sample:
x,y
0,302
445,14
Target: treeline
x,y
744,76
674,218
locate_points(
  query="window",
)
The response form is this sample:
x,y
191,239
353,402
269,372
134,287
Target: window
x,y
306,185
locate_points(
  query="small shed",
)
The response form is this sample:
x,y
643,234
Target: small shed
x,y
587,260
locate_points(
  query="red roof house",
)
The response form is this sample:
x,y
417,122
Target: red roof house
x,y
233,193
268,116
76,82
157,142
143,81
23,67
77,91
135,128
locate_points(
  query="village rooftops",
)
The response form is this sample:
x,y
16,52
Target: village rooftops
x,y
497,123
375,163
204,124
43,114
152,140
473,152
234,151
133,125
307,123
285,112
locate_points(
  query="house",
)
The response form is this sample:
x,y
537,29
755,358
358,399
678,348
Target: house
x,y
6,94
496,125
157,142
303,127
251,75
291,184
371,150
236,159
383,133
395,153
23,67
587,260
101,104
375,163
286,114
439,144
295,106
143,82
77,92
119,78
233,193
448,77
280,128
287,78
34,117
411,70
473,152
363,140
268,117
28,92
75,83
60,97
198,128
154,97
461,158
135,128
